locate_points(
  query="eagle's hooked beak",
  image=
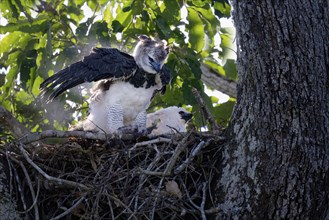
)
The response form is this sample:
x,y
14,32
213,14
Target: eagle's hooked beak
x,y
156,66
186,116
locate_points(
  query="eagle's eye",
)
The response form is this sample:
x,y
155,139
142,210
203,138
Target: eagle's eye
x,y
181,112
151,60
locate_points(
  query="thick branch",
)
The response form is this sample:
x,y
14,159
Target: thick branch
x,y
218,82
65,134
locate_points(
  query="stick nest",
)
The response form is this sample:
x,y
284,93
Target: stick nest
x,y
161,178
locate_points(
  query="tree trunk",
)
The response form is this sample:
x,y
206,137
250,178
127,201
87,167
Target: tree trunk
x,y
276,162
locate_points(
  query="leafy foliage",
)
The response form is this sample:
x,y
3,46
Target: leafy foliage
x,y
42,37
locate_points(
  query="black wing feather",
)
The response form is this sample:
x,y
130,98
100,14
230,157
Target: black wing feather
x,y
165,77
102,63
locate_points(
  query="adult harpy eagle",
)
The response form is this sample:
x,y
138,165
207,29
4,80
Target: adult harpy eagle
x,y
127,84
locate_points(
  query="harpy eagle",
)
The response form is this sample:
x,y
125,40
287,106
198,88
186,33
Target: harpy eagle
x,y
168,120
164,121
126,83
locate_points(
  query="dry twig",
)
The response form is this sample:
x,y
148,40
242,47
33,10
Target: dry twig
x,y
69,210
59,181
34,197
207,114
195,152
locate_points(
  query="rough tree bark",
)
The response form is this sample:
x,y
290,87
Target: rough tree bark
x,y
276,164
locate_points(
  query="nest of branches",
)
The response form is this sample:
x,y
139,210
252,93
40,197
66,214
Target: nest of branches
x,y
97,177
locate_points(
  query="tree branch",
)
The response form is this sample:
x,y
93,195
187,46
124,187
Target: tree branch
x,y
79,134
207,114
218,82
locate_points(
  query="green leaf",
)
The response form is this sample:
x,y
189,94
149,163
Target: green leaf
x,y
117,26
171,11
200,3
100,31
8,42
27,70
227,38
10,77
211,24
23,8
222,8
163,27
230,69
108,17
2,79
13,9
214,99
92,4
215,66
76,14
24,97
194,65
209,19
196,30
39,24
122,20
36,85
223,112
151,4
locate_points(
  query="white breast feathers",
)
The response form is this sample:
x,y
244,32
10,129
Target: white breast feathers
x,y
121,105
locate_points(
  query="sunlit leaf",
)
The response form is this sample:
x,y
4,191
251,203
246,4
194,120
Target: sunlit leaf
x,y
108,17
92,4
214,99
200,3
152,4
122,20
8,42
36,84
10,78
196,30
24,97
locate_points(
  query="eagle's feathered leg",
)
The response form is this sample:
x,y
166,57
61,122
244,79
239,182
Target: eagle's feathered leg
x,y
114,118
140,122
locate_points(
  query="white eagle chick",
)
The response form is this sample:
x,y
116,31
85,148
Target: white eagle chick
x,y
168,120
